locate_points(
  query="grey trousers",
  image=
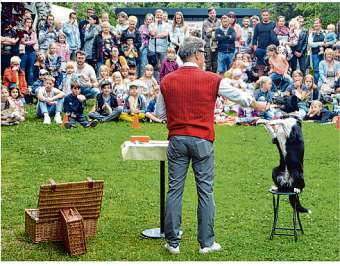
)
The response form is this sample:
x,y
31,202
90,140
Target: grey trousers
x,y
210,60
181,150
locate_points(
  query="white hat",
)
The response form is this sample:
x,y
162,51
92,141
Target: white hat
x,y
137,83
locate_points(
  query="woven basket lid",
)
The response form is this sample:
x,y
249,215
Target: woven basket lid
x,y
85,196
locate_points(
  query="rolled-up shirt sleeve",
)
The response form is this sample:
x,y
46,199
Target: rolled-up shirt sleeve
x,y
160,107
235,94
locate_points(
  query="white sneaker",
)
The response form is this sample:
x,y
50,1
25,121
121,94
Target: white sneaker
x,y
47,120
213,248
171,249
57,119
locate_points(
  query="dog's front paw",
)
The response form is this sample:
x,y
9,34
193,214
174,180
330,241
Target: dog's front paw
x,y
297,190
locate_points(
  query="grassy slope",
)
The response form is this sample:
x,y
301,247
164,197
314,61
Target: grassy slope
x,y
32,153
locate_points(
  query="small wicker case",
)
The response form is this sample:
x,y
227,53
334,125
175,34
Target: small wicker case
x,y
73,231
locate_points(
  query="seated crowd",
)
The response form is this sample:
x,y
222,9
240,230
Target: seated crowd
x,y
60,66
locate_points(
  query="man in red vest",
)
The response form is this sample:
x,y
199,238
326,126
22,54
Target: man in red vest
x,y
188,97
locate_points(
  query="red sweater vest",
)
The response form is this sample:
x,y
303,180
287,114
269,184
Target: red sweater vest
x,y
190,95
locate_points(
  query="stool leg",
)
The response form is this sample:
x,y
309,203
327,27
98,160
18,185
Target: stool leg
x,y
298,217
276,213
294,221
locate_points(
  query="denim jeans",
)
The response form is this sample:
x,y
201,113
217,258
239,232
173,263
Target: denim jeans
x,y
43,107
97,67
182,150
89,92
106,117
157,68
143,60
302,63
285,81
260,54
27,63
316,59
82,119
223,61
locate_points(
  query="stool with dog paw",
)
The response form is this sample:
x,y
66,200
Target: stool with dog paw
x,y
296,223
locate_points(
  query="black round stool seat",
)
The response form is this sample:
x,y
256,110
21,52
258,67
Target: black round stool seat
x,y
285,231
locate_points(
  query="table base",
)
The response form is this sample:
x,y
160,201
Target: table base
x,y
155,233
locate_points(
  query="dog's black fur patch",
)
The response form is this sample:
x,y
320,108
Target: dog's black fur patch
x,y
293,163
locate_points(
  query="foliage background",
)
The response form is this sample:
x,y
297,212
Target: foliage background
x,y
328,12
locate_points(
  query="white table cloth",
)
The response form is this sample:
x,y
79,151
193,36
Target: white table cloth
x,y
152,150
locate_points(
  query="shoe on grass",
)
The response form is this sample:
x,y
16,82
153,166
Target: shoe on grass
x,y
213,248
57,119
171,249
47,120
93,123
69,125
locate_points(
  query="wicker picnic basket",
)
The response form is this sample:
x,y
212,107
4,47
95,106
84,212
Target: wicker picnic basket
x,y
73,231
44,223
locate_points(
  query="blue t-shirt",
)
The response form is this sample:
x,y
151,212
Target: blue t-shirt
x,y
151,106
262,96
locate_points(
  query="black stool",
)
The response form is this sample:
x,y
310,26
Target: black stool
x,y
296,216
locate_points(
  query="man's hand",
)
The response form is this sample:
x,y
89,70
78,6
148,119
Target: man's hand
x,y
297,54
81,97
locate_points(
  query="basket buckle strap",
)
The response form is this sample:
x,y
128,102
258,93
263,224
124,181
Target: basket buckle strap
x,y
89,182
53,184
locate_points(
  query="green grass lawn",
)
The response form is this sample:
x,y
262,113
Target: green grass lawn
x,y
33,152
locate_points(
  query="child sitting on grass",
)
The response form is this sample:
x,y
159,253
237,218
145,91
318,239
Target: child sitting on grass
x,y
134,104
319,114
68,77
17,101
301,92
235,80
74,104
149,81
9,116
104,74
119,88
38,65
106,108
124,71
39,83
264,94
151,109
219,115
312,87
50,101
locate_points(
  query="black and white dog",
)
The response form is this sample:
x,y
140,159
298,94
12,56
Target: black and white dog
x,y
288,175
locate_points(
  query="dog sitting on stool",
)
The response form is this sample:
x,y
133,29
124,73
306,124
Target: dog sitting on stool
x,y
288,175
